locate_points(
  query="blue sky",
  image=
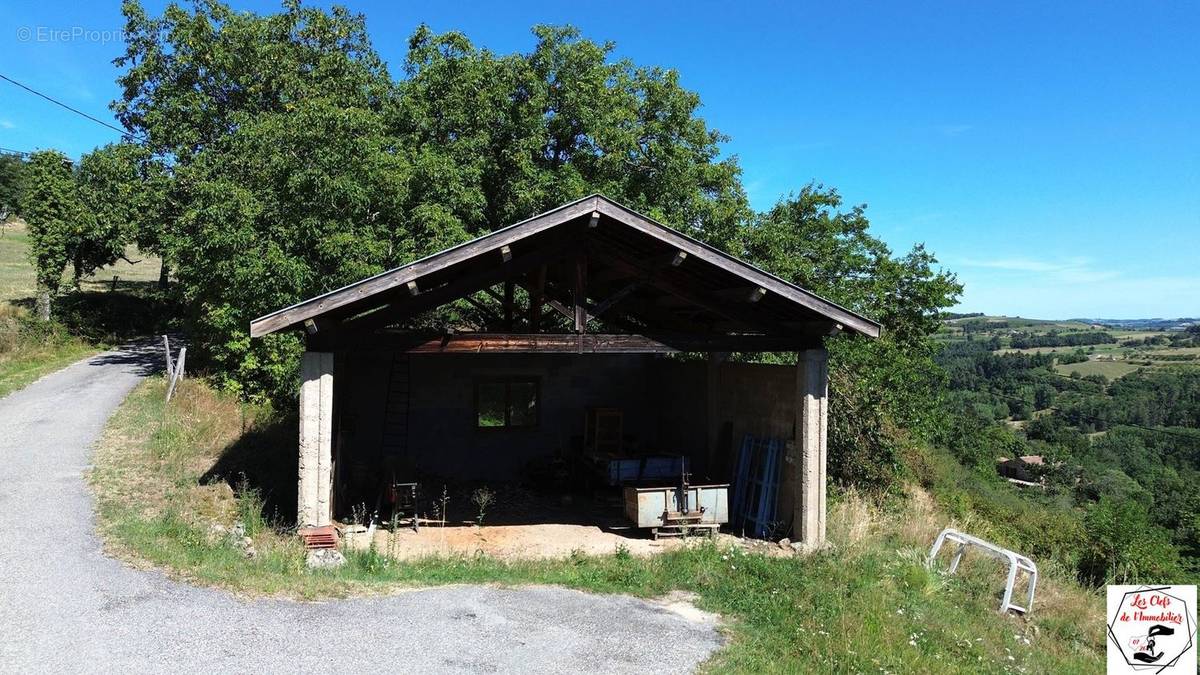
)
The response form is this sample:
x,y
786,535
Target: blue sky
x,y
1049,153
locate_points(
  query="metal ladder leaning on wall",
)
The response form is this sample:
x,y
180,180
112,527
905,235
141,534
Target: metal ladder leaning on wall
x,y
1016,563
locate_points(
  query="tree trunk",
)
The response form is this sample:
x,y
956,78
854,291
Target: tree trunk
x,y
162,276
43,302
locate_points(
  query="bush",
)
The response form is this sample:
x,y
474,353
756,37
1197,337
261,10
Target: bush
x,y
1124,547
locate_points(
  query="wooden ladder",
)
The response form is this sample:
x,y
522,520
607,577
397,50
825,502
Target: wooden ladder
x,y
395,420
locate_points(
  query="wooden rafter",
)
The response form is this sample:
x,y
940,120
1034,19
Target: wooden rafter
x,y
591,219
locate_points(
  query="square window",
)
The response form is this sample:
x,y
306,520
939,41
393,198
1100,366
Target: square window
x,y
490,404
506,402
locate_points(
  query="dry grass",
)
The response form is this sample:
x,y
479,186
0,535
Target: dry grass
x,y
29,352
149,463
18,281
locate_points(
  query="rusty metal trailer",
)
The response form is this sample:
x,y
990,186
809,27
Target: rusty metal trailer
x,y
667,512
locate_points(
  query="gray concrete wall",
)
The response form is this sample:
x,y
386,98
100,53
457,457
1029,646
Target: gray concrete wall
x,y
757,399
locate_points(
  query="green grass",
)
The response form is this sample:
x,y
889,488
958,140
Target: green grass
x,y
18,281
1110,369
21,366
86,321
866,604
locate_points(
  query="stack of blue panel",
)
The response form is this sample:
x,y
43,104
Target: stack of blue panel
x,y
756,486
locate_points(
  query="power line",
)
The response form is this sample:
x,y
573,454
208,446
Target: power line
x,y
10,151
124,133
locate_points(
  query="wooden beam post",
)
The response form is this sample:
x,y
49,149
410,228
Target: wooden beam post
x,y
313,504
808,455
536,295
507,303
579,295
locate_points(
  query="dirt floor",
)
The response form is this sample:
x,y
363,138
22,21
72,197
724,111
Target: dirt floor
x,y
525,525
541,540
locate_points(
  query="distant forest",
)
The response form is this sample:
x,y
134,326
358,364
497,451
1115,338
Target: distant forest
x,y
1121,472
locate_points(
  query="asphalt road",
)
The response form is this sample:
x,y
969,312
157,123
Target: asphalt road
x,y
65,607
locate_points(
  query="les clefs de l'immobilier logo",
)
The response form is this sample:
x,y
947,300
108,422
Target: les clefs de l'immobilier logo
x,y
1152,629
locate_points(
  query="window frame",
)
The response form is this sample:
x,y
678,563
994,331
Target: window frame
x,y
508,381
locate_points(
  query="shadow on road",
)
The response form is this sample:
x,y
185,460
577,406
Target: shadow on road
x,y
144,357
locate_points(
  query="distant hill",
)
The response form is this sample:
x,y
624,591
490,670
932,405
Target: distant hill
x,y
1143,324
1118,324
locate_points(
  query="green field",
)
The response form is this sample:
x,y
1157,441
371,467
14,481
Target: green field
x,y
28,351
18,282
1112,360
1110,369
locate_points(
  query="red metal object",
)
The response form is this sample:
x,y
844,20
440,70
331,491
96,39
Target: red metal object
x,y
319,537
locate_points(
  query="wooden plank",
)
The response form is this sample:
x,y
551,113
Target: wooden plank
x,y
676,259
177,372
530,343
692,296
579,294
489,316
609,275
742,294
292,316
542,343
536,292
355,293
507,303
170,365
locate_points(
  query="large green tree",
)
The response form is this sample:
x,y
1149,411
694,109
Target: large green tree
x,y
298,164
531,131
80,216
57,220
12,172
810,239
128,191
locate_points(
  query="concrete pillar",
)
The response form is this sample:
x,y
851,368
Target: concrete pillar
x,y
316,439
812,430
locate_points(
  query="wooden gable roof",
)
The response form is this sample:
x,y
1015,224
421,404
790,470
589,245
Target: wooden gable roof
x,y
638,272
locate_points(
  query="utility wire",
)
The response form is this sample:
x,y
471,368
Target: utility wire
x,y
124,133
10,151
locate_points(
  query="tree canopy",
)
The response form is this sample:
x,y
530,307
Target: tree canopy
x,y
12,175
